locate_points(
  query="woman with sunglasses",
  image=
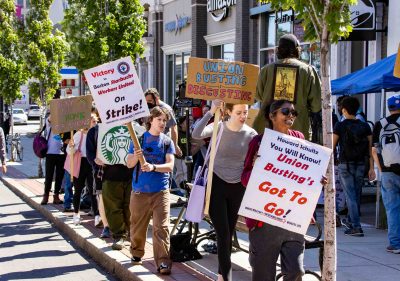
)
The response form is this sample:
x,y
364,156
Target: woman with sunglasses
x,y
227,191
267,242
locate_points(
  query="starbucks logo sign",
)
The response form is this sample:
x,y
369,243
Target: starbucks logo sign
x,y
114,144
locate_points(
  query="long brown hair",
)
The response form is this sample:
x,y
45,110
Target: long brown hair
x,y
154,113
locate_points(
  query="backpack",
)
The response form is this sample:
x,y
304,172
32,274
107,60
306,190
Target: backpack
x,y
389,141
40,144
355,143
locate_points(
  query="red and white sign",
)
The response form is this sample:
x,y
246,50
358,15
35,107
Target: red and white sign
x,y
284,185
117,92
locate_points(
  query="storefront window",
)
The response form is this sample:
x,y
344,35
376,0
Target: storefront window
x,y
225,52
177,68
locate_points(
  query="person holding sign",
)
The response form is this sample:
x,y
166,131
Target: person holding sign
x,y
267,242
150,185
227,190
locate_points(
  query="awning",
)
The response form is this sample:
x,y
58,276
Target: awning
x,y
69,73
371,79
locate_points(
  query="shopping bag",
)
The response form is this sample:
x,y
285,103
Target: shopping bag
x,y
195,208
76,160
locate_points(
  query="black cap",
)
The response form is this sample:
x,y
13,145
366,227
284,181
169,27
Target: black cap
x,y
289,41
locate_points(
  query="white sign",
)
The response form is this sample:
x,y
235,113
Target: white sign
x,y
284,185
362,15
219,8
117,92
113,144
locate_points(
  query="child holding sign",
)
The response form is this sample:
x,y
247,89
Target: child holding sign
x,y
150,190
227,191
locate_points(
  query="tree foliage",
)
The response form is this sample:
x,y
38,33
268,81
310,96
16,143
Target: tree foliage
x,y
101,31
12,69
44,50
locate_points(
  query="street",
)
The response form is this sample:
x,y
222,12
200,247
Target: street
x,y
31,248
33,126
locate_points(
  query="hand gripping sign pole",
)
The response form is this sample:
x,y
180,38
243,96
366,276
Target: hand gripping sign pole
x,y
136,143
212,158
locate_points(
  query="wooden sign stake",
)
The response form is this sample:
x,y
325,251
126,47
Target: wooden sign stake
x,y
135,140
211,163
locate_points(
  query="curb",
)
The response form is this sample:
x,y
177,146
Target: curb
x,y
118,265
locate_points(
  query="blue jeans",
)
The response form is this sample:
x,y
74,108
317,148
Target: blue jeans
x,y
391,200
68,194
352,179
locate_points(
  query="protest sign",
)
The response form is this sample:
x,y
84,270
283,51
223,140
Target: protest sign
x,y
117,92
284,185
230,81
113,144
70,114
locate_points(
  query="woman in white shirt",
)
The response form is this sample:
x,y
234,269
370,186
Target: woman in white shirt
x,y
78,143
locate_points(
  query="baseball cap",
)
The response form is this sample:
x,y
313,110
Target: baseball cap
x,y
394,102
289,40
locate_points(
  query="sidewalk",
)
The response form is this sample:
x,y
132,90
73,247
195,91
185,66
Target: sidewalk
x,y
359,259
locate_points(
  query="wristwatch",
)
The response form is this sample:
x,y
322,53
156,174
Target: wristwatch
x,y
154,168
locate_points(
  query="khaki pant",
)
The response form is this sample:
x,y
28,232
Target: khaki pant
x,y
143,206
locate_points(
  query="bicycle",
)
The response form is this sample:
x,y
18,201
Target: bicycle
x,y
16,148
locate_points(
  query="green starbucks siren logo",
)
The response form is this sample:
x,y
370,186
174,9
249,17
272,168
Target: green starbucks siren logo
x,y
115,145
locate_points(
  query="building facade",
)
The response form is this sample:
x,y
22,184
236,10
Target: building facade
x,y
249,31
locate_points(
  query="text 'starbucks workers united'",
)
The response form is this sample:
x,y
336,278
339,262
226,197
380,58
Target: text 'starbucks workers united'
x,y
113,144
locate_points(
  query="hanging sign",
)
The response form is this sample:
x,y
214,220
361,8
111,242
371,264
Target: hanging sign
x,y
363,16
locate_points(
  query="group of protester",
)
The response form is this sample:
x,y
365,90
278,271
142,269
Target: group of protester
x,y
128,196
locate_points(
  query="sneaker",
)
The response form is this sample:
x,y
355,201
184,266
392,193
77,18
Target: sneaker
x,y
338,221
358,232
164,269
136,260
77,219
393,250
118,244
347,224
97,222
105,233
68,210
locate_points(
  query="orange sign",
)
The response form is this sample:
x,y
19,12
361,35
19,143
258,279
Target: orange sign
x,y
230,81
396,71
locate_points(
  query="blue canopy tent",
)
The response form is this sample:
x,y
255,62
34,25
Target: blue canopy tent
x,y
371,79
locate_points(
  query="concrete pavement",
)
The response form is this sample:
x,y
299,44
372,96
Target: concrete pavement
x,y
359,259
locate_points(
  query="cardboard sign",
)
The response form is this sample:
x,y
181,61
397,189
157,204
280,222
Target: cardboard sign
x,y
230,81
117,92
253,112
284,185
113,144
70,114
396,71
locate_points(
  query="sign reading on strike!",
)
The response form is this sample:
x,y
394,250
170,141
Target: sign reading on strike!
x,y
117,92
70,114
230,81
284,185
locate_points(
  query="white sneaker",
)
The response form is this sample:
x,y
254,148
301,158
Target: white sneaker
x,y
77,219
97,221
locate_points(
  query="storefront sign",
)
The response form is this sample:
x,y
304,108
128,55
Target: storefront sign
x,y
284,185
230,81
219,8
284,18
178,24
363,20
117,92
70,114
113,144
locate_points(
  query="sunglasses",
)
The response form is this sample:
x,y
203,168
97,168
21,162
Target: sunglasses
x,y
286,111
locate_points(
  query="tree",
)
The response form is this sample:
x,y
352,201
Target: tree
x,y
101,31
325,21
12,68
44,51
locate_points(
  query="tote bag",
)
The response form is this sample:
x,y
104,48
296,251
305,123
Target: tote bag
x,y
77,160
195,208
40,144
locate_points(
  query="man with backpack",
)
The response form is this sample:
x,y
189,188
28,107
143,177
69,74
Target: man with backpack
x,y
386,153
355,142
